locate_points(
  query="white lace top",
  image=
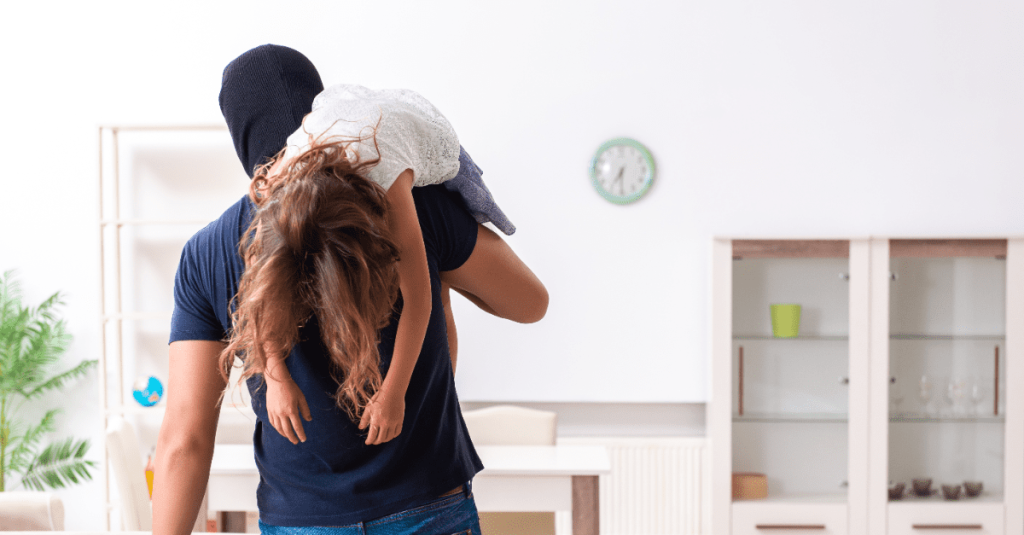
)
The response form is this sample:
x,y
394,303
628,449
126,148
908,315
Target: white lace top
x,y
411,133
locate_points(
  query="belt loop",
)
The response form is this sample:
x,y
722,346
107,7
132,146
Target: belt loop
x,y
468,489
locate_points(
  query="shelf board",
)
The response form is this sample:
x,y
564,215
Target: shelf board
x,y
989,419
842,418
827,338
822,417
160,408
901,336
910,500
152,222
954,337
822,498
138,316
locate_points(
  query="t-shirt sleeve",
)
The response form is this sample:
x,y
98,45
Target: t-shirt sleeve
x,y
447,225
194,317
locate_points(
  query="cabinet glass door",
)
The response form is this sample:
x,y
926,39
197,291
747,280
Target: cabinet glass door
x,y
947,366
791,354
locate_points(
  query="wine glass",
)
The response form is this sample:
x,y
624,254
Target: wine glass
x,y
978,395
956,391
924,393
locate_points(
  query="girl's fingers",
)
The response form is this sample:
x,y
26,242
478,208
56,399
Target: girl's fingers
x,y
371,439
391,434
285,428
282,429
296,424
305,409
365,420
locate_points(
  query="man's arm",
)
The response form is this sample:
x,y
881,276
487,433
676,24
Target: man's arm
x,y
496,280
185,445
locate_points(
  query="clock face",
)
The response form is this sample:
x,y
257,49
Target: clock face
x,y
622,170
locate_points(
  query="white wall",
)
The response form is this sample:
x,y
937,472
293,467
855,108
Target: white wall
x,y
783,118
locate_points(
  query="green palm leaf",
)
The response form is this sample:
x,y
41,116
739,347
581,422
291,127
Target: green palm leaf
x,y
60,464
58,381
21,456
32,341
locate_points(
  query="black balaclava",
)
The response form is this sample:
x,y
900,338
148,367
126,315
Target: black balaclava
x,y
264,94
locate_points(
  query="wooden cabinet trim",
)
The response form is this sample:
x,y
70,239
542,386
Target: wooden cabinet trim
x,y
790,249
947,248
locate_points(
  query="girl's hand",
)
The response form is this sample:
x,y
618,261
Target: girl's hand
x,y
384,415
284,401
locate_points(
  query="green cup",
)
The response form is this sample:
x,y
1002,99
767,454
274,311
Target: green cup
x,y
785,320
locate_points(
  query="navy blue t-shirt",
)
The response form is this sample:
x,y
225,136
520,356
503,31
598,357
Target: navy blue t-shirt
x,y
334,478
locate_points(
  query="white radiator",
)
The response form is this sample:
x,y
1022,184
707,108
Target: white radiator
x,y
658,486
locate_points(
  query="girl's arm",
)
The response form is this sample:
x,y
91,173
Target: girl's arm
x,y
495,279
286,405
184,447
386,411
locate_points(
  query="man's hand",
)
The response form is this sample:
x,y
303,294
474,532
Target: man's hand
x,y
284,402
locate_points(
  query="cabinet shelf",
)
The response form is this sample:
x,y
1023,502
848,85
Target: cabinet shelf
x,y
948,419
160,408
820,338
794,417
797,417
951,337
900,336
936,498
798,498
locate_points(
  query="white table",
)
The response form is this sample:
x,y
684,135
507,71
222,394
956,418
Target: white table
x,y
515,478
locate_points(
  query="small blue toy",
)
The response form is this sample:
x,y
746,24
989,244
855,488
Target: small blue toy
x,y
148,391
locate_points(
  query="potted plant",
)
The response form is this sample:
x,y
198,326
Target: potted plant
x,y
32,341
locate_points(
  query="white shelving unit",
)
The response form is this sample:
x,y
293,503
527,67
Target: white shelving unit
x,y
825,415
123,214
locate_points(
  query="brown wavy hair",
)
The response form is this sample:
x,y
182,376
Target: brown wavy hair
x,y
319,245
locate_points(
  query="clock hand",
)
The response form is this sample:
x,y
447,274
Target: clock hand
x,y
622,189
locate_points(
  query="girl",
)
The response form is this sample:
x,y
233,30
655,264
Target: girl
x,y
396,140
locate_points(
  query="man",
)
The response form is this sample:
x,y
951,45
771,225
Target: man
x,y
418,482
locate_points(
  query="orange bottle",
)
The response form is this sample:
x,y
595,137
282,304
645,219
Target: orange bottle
x,y
149,474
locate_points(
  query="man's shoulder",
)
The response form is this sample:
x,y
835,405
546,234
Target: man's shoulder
x,y
226,230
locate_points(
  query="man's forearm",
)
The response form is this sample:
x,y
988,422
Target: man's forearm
x,y
476,301
179,483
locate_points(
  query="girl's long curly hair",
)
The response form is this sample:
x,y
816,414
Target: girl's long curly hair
x,y
319,245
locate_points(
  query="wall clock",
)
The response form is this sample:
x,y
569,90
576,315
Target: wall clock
x,y
622,170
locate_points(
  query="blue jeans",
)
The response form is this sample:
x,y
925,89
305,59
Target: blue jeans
x,y
450,515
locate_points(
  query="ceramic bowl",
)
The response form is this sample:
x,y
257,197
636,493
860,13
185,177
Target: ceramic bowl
x,y
896,491
951,492
972,488
922,486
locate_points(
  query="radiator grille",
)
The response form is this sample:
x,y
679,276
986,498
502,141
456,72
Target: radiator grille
x,y
657,486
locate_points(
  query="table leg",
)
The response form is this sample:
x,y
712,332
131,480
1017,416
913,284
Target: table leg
x,y
585,505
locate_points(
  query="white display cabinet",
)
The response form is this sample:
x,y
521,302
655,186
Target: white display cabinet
x,y
946,328
893,376
157,186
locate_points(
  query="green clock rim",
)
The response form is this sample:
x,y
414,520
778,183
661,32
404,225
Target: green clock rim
x,y
631,143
